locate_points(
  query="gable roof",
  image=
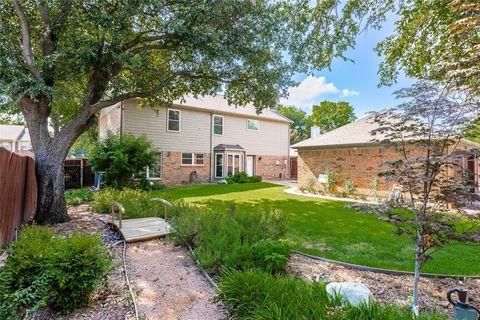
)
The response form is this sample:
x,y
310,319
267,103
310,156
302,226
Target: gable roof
x,y
357,133
218,103
14,132
354,133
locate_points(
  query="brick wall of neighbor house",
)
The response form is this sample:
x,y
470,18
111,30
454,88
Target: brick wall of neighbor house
x,y
174,173
268,168
361,165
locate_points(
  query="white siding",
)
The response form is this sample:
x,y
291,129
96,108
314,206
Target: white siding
x,y
195,131
194,135
271,138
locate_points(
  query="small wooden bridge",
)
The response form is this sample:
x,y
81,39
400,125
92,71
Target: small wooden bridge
x,y
140,229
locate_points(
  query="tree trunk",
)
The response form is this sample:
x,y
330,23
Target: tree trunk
x,y
51,205
416,277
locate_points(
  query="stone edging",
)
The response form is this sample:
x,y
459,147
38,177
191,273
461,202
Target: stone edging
x,y
295,191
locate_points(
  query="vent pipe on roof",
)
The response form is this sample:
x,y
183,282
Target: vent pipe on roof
x,y
314,131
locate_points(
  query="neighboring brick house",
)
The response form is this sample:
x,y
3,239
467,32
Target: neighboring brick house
x,y
204,139
15,138
352,152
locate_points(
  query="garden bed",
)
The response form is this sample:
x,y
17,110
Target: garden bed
x,y
385,288
111,302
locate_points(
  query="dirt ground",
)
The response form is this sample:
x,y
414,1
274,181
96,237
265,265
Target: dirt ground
x,y
385,288
168,285
164,278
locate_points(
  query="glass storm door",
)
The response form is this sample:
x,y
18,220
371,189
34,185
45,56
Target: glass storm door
x,y
234,163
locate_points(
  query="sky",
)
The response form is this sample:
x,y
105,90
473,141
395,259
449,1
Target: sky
x,y
355,82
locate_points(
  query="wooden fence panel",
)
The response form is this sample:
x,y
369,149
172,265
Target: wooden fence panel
x,y
78,174
18,193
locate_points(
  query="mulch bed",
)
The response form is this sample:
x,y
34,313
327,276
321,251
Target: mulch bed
x,y
384,287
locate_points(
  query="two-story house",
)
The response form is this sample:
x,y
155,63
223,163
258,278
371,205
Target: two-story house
x,y
15,138
206,139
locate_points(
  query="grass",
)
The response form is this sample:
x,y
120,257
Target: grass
x,y
328,229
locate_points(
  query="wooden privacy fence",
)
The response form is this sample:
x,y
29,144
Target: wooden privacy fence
x,y
18,193
78,174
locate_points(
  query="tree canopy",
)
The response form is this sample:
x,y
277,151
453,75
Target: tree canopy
x,y
329,115
300,128
436,40
62,61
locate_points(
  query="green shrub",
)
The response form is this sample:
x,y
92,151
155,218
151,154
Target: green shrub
x,y
225,238
271,255
76,197
46,270
255,294
332,181
136,202
349,187
243,177
120,157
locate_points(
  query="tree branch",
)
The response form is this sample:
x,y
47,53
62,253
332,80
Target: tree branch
x,y
26,42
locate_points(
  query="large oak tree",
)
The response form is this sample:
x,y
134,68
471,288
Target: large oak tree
x,y
62,61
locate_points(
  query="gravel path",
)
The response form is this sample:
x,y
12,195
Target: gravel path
x,y
167,284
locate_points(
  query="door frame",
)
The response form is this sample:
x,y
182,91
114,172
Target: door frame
x,y
253,163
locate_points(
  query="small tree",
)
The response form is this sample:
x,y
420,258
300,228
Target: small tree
x,y
120,157
300,128
329,115
426,131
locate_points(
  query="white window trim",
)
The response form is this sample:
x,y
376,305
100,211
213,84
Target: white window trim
x,y
223,164
258,125
179,119
193,160
147,171
213,124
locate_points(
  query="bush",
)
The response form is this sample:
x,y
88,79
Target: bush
x,y
271,255
332,181
225,238
255,294
46,270
120,157
78,196
349,188
243,177
137,203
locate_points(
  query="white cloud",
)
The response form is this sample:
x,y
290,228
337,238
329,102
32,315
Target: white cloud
x,y
309,92
349,93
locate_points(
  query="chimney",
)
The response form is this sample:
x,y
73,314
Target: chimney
x,y
314,131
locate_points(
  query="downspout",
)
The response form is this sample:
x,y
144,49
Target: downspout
x,y
289,164
212,156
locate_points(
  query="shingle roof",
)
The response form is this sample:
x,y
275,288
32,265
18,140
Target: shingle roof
x,y
14,132
228,147
220,104
355,133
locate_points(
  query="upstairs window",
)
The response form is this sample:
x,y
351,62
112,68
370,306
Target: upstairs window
x,y
173,120
218,125
252,125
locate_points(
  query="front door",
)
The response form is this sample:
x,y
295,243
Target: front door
x,y
250,165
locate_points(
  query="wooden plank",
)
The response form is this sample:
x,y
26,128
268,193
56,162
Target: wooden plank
x,y
142,229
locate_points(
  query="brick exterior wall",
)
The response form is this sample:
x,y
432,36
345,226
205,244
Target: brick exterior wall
x,y
361,165
272,167
174,173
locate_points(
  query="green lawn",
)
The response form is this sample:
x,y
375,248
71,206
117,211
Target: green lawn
x,y
326,228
